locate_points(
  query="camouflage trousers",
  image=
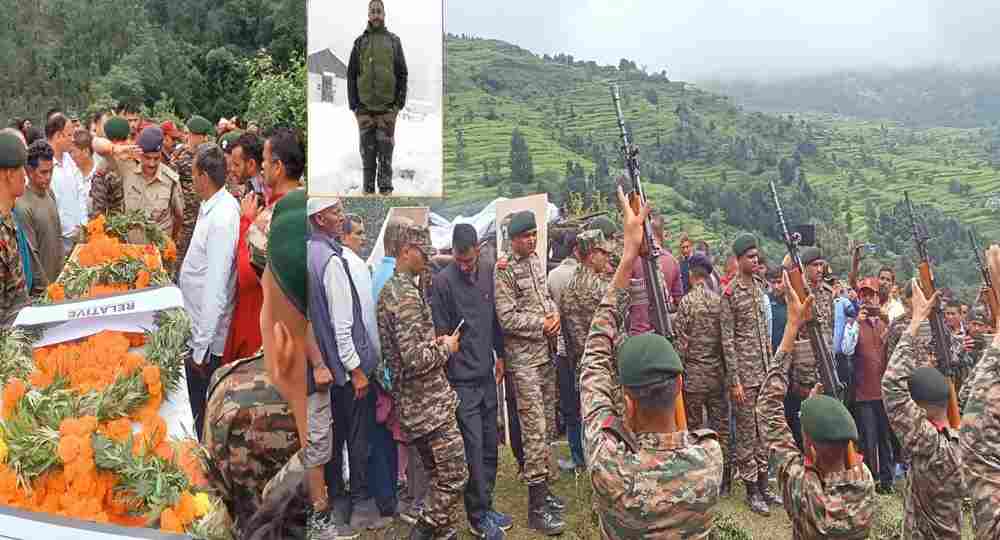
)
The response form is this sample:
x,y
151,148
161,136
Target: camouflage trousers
x,y
716,410
442,454
378,139
191,205
536,398
751,450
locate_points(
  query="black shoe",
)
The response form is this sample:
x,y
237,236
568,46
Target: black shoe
x,y
422,531
553,501
756,502
540,517
770,497
487,529
502,520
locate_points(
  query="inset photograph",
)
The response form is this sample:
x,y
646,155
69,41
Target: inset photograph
x,y
375,98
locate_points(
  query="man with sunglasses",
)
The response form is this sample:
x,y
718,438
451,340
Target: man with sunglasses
x,y
376,91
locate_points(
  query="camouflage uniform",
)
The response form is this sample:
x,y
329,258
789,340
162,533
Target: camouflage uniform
x,y
579,299
250,434
183,159
699,344
14,288
522,301
651,485
747,351
836,505
805,371
980,440
935,487
421,391
107,194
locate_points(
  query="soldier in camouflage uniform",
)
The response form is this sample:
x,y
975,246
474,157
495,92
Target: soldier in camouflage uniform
x,y
199,131
583,293
420,387
13,286
934,485
530,321
823,495
699,344
649,479
747,350
981,330
107,193
804,373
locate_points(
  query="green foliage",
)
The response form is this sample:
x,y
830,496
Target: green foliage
x,y
277,98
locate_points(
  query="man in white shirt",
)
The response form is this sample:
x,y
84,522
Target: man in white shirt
x,y
67,181
352,240
208,275
83,156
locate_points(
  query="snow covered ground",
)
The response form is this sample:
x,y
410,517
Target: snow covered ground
x,y
335,158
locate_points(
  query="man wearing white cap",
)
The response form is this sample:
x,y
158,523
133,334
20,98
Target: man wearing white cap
x,y
342,310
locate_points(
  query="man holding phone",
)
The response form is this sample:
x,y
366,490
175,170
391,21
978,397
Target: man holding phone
x,y
462,299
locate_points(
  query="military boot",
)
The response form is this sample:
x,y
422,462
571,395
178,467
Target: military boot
x,y
755,501
369,161
727,481
555,503
384,151
540,516
422,531
770,497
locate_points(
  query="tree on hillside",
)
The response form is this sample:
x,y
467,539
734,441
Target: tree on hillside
x,y
460,146
522,171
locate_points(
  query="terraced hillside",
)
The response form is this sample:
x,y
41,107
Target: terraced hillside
x,y
707,160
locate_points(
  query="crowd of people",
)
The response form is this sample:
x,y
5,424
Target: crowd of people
x,y
422,350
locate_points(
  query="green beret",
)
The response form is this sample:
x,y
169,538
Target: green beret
x,y
227,140
603,224
928,385
810,255
13,154
647,359
199,125
116,128
825,419
286,247
744,243
522,222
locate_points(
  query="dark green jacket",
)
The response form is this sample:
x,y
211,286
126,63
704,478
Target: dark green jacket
x,y
376,72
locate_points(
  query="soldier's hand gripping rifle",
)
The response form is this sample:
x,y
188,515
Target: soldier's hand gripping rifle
x,y
939,332
650,252
991,297
832,386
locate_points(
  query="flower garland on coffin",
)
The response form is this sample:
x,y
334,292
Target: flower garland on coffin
x,y
68,443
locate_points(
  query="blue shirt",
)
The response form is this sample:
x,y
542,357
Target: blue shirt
x,y
382,273
843,309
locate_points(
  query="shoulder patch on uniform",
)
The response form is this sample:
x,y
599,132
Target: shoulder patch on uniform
x,y
614,425
702,434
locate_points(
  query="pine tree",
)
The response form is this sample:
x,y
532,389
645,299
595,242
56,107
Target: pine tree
x,y
522,171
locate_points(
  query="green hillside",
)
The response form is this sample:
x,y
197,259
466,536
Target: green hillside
x,y
706,161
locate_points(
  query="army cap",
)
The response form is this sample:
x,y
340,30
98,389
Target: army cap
x,y
199,125
116,128
286,247
810,254
870,283
522,222
744,243
588,241
647,359
170,129
402,231
13,153
928,385
603,224
227,140
150,140
826,420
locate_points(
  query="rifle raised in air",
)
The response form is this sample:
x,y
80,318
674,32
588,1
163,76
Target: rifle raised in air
x,y
832,386
650,251
990,295
939,332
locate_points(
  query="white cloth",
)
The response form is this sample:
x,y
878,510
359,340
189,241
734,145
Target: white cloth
x,y
850,340
895,310
67,186
208,275
88,181
341,303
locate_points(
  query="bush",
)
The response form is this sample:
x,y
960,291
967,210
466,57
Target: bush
x,y
726,528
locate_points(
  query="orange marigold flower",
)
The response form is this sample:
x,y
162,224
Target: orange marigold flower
x,y
40,380
169,521
96,226
151,374
142,279
170,252
152,262
12,393
69,448
56,292
185,508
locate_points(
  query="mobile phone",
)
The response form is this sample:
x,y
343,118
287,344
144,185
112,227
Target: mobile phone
x,y
457,328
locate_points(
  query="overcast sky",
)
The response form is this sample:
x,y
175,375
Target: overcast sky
x,y
711,39
336,24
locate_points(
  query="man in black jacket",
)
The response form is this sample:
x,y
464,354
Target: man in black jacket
x,y
463,291
376,90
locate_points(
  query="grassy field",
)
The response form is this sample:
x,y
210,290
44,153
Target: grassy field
x,y
731,512
565,114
